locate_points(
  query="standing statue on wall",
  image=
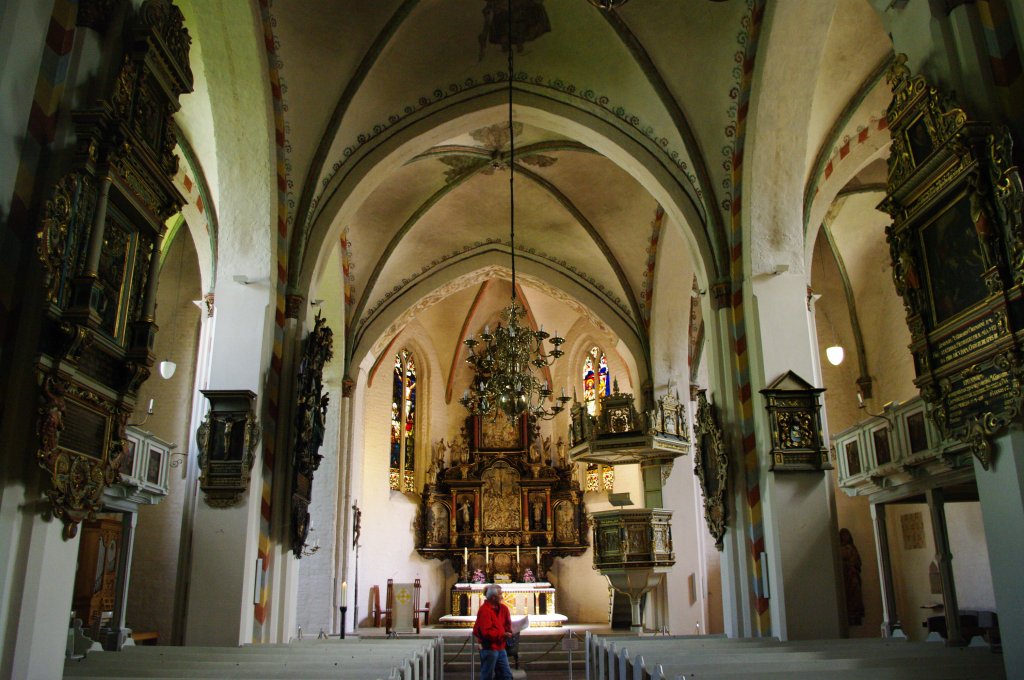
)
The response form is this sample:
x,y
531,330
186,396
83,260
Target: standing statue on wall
x,y
465,515
563,453
851,578
537,514
535,454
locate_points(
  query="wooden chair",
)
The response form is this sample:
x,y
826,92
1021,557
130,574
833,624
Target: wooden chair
x,y
375,610
389,609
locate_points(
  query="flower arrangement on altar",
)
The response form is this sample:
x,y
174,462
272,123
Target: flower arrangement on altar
x,y
528,576
478,577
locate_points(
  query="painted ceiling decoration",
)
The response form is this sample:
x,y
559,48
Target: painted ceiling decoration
x,y
592,88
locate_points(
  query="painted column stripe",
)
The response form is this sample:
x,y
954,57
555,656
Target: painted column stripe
x,y
272,401
755,527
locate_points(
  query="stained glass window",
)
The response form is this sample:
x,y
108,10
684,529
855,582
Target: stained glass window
x,y
596,386
401,475
595,379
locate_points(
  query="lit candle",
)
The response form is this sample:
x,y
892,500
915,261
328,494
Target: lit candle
x,y
487,554
344,592
538,557
465,556
517,553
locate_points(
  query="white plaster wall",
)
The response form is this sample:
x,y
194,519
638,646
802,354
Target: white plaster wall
x,y
388,546
679,493
315,601
972,574
910,570
158,532
893,367
582,591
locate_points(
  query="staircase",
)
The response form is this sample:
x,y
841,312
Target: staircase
x,y
541,657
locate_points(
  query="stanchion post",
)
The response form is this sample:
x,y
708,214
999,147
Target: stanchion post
x,y
344,611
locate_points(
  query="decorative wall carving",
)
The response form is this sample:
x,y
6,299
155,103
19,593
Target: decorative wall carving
x,y
97,241
711,465
957,251
310,415
227,442
794,415
82,442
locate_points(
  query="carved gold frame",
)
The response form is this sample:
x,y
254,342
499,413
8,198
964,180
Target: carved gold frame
x,y
711,466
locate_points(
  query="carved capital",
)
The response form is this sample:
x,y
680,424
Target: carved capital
x,y
721,295
293,306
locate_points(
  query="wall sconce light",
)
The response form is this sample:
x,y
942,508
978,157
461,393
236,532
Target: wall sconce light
x,y
167,368
835,354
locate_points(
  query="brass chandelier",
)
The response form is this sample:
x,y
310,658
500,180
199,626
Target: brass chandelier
x,y
608,4
503,362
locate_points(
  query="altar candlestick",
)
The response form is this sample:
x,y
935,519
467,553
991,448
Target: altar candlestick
x,y
344,591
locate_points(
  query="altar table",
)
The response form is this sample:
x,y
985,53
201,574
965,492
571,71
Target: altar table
x,y
535,600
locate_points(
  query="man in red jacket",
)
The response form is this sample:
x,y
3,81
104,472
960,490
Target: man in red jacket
x,y
492,630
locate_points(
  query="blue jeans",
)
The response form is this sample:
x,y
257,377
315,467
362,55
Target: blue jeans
x,y
494,664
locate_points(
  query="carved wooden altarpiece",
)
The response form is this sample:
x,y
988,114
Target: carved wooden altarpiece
x,y
500,499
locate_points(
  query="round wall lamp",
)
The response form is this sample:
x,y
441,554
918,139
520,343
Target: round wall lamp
x,y
167,368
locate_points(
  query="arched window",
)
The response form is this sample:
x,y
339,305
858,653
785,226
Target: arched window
x,y
403,423
597,386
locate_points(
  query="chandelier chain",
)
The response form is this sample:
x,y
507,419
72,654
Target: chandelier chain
x,y
511,155
503,366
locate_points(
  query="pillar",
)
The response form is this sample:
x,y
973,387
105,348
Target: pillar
x,y
800,534
225,541
944,558
884,569
1001,492
41,586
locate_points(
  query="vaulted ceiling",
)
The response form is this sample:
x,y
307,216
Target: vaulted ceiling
x,y
393,139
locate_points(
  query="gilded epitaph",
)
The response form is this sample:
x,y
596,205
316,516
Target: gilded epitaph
x,y
957,250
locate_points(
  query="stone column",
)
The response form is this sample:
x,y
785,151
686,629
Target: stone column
x,y
42,583
944,558
884,568
798,508
1001,491
225,541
